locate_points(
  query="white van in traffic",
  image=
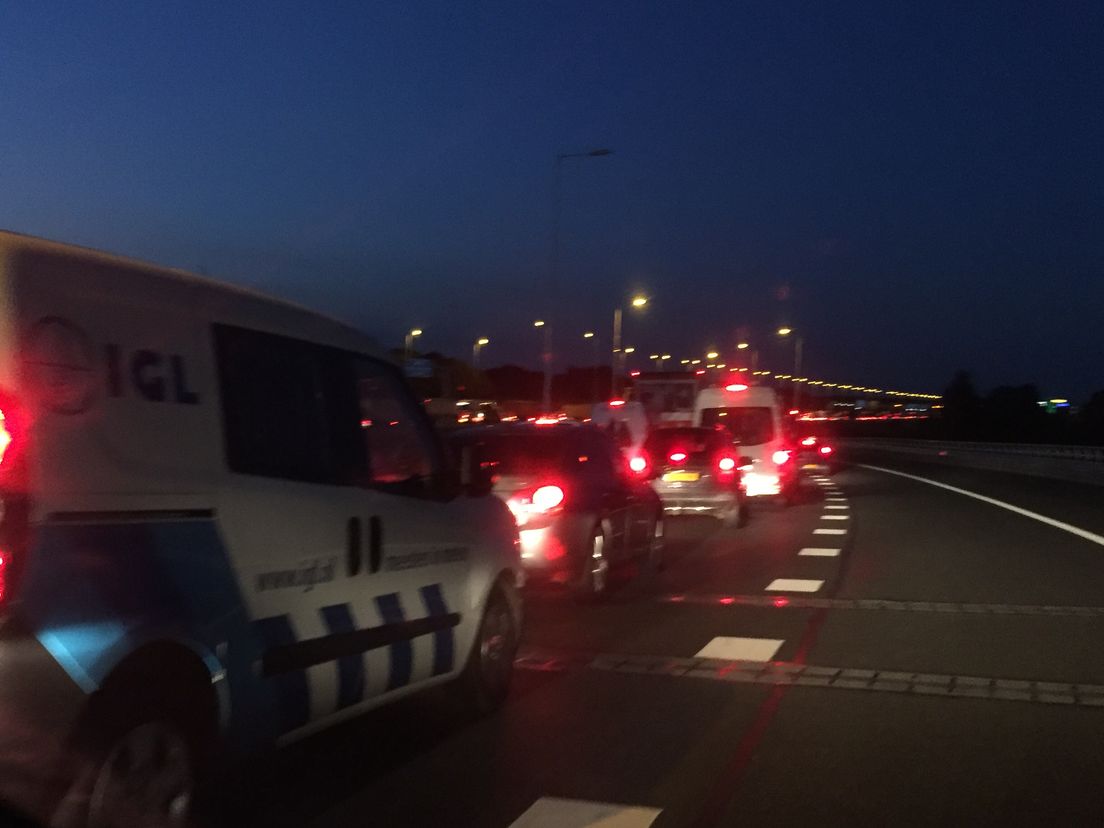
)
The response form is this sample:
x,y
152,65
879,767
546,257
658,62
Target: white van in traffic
x,y
753,415
225,524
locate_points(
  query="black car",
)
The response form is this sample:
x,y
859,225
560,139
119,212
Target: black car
x,y
580,510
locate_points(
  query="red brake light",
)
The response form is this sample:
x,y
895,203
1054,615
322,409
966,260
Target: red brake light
x,y
638,464
540,503
547,498
678,457
726,464
809,441
736,386
780,458
825,449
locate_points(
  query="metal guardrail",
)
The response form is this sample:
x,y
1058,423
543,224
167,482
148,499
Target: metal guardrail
x,y
1081,464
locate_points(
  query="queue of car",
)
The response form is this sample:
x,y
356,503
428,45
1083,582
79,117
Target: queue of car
x,y
226,523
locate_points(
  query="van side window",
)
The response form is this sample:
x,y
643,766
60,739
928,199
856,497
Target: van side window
x,y
403,453
288,406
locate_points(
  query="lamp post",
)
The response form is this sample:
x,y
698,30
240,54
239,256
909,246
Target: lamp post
x,y
477,348
546,356
594,364
554,255
799,345
408,343
638,301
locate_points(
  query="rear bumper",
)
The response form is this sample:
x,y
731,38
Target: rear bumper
x,y
557,547
705,497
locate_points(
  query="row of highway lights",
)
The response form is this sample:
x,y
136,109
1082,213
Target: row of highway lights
x,y
641,301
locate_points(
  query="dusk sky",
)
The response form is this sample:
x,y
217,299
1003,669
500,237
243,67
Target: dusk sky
x,y
925,183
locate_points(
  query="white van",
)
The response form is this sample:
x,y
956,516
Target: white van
x,y
753,415
226,524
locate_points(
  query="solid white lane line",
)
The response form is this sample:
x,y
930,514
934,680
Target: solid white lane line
x,y
829,531
835,517
741,649
819,552
836,506
553,812
1057,524
794,585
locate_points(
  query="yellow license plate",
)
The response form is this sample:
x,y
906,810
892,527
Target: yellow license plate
x,y
681,477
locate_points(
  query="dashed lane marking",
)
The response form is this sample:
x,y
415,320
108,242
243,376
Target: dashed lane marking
x,y
835,517
829,531
734,649
794,585
553,812
819,552
1057,524
836,506
801,602
740,671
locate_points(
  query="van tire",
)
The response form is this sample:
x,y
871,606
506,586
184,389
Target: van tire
x,y
130,734
485,682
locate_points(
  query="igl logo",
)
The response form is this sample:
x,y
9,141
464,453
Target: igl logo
x,y
156,377
64,371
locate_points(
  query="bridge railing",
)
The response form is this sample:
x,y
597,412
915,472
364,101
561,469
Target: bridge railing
x,y
1082,464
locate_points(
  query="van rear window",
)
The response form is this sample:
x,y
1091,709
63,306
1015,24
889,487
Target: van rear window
x,y
751,426
289,407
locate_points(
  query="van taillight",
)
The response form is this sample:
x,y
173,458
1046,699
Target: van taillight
x,y
14,499
5,437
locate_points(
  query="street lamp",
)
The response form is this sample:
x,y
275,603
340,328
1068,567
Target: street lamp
x,y
712,355
408,343
638,301
742,346
477,348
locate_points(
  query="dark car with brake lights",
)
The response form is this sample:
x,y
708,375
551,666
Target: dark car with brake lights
x,y
581,513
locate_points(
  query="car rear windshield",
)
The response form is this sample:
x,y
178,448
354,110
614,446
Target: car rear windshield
x,y
520,454
750,426
697,443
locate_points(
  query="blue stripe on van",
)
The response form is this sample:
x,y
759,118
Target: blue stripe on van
x,y
402,652
350,668
443,640
99,586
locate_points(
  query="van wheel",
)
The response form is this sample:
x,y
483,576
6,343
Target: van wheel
x,y
593,581
138,770
486,679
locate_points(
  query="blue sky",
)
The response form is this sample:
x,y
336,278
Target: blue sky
x,y
925,180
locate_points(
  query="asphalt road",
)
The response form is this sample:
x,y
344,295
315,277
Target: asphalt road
x,y
944,666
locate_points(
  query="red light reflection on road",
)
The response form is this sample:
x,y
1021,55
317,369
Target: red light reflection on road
x,y
781,602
